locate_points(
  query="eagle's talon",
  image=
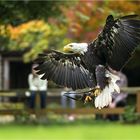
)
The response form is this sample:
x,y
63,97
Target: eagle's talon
x,y
87,99
96,92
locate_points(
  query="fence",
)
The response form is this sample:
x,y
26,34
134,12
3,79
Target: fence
x,y
84,111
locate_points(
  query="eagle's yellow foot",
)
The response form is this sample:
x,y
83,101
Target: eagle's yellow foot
x,y
88,99
96,92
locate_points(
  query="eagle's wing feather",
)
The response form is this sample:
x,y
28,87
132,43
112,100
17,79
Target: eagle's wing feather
x,y
64,69
118,40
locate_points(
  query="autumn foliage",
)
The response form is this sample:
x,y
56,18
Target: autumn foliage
x,y
86,18
79,22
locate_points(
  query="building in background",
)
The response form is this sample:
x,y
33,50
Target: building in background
x,y
13,71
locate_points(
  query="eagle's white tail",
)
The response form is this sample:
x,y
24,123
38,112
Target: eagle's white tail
x,y
105,98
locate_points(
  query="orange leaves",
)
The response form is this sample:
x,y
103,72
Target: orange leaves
x,y
14,31
125,6
31,26
76,29
83,8
86,17
32,34
82,20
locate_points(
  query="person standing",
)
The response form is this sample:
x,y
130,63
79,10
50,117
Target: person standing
x,y
118,100
37,86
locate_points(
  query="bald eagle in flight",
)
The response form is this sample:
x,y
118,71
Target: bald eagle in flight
x,y
92,65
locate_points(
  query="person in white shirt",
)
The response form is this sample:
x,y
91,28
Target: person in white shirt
x,y
37,86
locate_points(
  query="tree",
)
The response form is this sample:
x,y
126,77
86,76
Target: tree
x,y
38,25
24,25
86,19
17,12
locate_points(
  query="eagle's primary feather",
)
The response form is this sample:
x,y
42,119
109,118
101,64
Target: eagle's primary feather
x,y
90,65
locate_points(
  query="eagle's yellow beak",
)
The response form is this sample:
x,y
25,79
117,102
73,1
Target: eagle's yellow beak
x,y
67,48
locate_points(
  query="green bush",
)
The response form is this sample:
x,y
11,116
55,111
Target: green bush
x,y
130,115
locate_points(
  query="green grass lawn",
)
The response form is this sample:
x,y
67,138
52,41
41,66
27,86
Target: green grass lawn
x,y
97,131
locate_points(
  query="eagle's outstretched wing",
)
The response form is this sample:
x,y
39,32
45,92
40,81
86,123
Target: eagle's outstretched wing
x,y
118,40
64,69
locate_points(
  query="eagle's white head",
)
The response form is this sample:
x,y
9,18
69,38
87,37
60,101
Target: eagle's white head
x,y
76,47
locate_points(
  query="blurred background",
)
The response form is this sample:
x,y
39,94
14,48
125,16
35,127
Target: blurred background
x,y
28,28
